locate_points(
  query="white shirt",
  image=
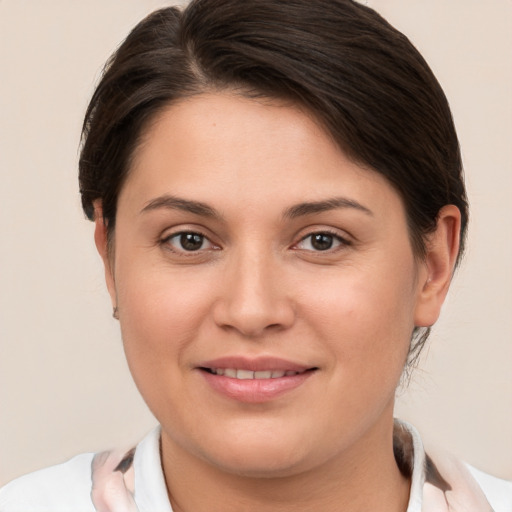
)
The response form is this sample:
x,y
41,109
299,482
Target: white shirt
x,y
67,487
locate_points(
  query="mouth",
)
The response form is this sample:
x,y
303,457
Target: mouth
x,y
243,374
254,380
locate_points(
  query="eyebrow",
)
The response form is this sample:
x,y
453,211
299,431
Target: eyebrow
x,y
298,210
334,203
176,203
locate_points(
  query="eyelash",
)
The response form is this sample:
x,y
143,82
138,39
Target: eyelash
x,y
335,239
182,251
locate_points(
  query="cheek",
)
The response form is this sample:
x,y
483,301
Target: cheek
x,y
367,326
367,317
161,312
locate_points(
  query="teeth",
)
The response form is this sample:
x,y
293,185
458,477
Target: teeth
x,y
244,374
263,375
233,373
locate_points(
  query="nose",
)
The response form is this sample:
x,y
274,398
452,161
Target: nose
x,y
254,298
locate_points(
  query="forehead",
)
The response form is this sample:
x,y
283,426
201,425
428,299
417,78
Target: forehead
x,y
246,152
215,122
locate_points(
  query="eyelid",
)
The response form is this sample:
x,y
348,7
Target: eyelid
x,y
165,238
342,237
345,241
180,228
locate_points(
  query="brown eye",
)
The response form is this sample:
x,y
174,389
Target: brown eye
x,y
318,242
191,241
188,241
322,241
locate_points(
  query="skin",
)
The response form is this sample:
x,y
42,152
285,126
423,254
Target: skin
x,y
258,286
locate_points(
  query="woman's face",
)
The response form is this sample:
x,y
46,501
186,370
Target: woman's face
x,y
266,286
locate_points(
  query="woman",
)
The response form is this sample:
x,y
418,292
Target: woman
x,y
279,204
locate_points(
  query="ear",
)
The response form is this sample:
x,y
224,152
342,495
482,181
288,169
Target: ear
x,y
101,240
437,268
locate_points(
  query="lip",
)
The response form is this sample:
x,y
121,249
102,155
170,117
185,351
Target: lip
x,y
258,364
255,390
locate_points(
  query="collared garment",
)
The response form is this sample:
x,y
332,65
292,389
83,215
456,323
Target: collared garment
x,y
133,481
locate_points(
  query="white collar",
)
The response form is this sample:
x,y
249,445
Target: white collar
x,y
151,491
446,486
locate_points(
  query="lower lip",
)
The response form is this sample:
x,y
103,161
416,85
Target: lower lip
x,y
255,390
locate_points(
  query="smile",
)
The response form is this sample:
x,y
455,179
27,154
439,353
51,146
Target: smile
x,y
254,381
242,374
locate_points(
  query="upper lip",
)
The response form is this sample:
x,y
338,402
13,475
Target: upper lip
x,y
256,364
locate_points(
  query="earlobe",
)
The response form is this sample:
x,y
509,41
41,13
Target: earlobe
x,y
101,240
438,266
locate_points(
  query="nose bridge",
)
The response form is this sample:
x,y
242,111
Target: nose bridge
x,y
253,297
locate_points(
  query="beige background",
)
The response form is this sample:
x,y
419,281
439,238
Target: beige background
x,y
64,385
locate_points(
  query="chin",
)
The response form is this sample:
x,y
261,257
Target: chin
x,y
258,456
264,464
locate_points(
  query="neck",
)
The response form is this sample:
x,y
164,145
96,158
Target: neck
x,y
365,477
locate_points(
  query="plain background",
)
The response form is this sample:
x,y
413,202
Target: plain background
x,y
64,385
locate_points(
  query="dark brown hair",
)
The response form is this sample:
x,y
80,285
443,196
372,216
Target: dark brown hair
x,y
339,60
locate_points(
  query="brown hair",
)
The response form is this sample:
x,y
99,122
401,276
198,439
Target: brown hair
x,y
341,61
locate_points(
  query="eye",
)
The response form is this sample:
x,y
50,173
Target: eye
x,y
188,241
322,241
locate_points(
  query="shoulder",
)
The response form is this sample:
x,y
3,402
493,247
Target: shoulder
x,y
89,479
440,481
62,488
497,491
